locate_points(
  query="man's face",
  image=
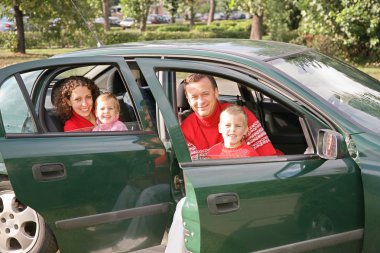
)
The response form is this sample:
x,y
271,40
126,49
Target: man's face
x,y
202,97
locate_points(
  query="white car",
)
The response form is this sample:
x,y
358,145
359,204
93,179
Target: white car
x,y
127,23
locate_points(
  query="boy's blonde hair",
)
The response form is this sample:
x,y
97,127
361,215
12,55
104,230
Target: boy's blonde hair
x,y
108,96
235,110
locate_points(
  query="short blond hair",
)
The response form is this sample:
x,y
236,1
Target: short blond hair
x,y
235,110
108,96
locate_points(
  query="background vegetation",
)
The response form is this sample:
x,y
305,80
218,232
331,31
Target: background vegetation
x,y
347,29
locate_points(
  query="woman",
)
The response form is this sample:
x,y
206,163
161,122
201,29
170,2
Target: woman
x,y
73,98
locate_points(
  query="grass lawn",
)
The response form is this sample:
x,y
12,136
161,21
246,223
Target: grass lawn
x,y
8,58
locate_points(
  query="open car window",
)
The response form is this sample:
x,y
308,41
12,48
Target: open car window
x,y
289,131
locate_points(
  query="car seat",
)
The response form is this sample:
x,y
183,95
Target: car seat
x,y
116,86
183,105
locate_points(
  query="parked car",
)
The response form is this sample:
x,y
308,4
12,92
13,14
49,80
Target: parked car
x,y
7,25
116,191
114,21
127,23
157,19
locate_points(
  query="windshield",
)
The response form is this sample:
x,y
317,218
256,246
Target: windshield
x,y
348,90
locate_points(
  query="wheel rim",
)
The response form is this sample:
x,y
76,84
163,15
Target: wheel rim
x,y
19,227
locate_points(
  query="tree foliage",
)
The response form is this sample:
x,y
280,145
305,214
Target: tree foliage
x,y
137,9
274,11
356,24
172,7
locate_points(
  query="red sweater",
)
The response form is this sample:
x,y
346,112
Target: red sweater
x,y
201,133
77,124
218,151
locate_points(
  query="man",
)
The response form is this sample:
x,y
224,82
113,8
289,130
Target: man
x,y
200,128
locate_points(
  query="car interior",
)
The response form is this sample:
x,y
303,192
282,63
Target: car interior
x,y
289,132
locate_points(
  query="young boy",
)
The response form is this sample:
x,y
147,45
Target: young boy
x,y
233,125
107,113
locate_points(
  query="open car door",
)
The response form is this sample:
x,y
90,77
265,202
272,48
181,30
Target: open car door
x,y
97,192
290,203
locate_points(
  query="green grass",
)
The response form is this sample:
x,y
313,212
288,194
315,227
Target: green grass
x,y
372,71
8,58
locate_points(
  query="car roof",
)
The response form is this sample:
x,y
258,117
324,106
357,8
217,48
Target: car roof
x,y
252,49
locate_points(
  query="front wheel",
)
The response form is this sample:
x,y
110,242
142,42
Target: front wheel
x,y
21,228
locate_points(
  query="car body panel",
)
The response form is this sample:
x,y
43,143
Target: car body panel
x,y
368,157
97,181
277,210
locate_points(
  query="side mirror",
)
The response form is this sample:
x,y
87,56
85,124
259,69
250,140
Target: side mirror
x,y
331,144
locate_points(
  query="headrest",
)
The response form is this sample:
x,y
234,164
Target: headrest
x,y
55,89
115,84
182,102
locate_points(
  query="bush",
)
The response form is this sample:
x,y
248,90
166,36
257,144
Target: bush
x,y
9,40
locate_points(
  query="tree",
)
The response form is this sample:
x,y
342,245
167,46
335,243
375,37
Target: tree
x,y
227,6
256,9
354,24
138,10
18,15
211,12
106,14
172,7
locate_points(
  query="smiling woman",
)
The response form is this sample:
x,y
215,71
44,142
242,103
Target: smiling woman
x,y
73,99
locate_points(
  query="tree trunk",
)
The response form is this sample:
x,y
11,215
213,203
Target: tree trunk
x,y
211,12
144,18
20,29
106,14
192,15
257,27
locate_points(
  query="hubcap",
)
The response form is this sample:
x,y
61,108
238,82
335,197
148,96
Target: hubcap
x,y
18,224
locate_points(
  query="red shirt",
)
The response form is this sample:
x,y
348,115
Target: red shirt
x,y
201,133
77,124
218,151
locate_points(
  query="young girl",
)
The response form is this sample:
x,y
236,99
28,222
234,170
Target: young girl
x,y
107,113
233,125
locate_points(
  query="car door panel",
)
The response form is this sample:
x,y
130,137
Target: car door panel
x,y
265,204
93,188
280,204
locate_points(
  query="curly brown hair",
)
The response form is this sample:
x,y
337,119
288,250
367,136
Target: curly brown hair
x,y
62,90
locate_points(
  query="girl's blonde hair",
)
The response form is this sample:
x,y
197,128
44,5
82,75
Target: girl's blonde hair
x,y
108,96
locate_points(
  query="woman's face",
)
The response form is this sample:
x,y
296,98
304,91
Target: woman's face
x,y
81,101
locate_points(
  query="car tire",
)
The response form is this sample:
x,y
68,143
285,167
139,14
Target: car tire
x,y
21,228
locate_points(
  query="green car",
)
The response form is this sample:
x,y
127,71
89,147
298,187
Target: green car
x,y
103,192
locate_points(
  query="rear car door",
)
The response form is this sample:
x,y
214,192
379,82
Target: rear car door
x,y
290,203
98,192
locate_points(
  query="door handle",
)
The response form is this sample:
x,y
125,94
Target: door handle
x,y
49,171
222,203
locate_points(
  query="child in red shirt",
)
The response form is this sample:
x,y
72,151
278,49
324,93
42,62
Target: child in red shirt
x,y
233,126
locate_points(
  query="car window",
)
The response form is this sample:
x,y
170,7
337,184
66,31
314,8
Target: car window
x,y
352,93
108,79
15,114
285,128
225,86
